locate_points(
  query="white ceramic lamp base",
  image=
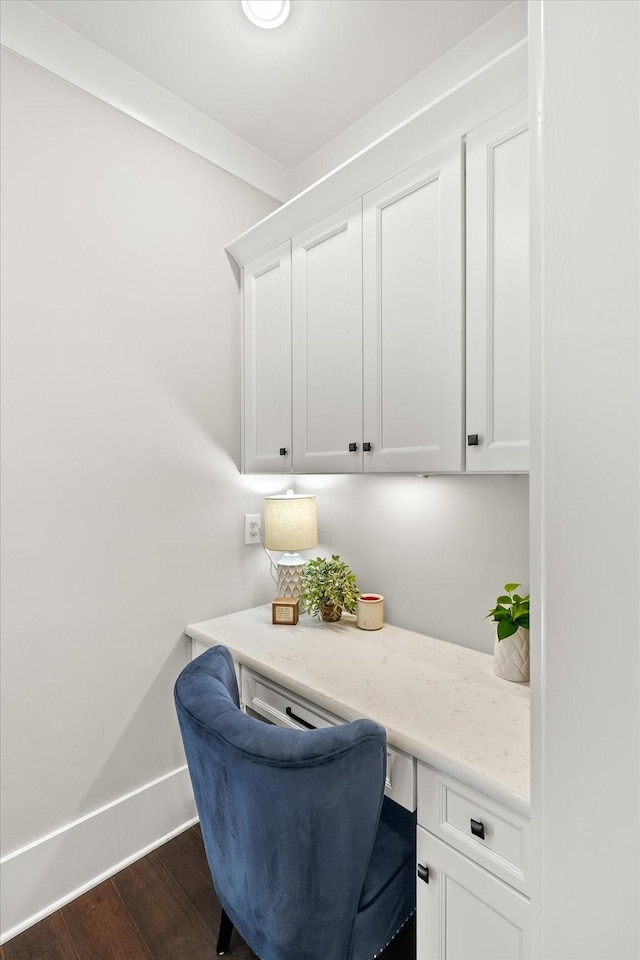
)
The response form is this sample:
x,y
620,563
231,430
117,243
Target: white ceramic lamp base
x,y
289,582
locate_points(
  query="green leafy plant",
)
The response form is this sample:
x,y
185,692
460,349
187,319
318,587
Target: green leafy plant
x,y
511,611
328,584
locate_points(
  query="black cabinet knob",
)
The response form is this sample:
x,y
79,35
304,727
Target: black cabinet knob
x,y
472,440
283,451
366,447
423,873
477,828
353,447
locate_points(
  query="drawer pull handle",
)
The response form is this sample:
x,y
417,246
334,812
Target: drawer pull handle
x,y
305,723
477,828
283,451
366,447
423,873
353,447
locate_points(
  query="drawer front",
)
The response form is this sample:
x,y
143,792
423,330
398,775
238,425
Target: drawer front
x,y
277,705
281,707
487,832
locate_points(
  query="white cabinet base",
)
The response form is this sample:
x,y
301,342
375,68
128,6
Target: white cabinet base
x,y
464,912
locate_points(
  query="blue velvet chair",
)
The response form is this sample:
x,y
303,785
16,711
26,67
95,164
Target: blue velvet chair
x,y
309,860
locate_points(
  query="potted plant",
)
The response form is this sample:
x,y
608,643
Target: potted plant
x,y
511,650
328,587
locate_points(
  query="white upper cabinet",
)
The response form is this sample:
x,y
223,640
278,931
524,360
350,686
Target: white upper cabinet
x,y
365,328
267,363
497,202
378,328
413,318
327,344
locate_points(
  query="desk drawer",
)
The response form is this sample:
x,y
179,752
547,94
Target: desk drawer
x,y
282,707
487,832
279,706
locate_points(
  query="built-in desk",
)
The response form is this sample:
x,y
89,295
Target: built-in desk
x,y
464,733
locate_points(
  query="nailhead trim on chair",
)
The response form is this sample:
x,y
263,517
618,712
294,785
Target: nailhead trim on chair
x,y
380,952
405,921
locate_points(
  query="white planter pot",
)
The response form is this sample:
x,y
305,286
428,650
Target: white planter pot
x,y
511,656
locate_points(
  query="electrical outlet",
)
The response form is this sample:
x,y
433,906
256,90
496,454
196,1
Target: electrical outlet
x,y
252,528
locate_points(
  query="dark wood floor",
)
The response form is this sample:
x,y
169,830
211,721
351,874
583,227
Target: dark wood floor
x,y
163,907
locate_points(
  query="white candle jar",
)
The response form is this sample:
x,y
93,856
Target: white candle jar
x,y
370,611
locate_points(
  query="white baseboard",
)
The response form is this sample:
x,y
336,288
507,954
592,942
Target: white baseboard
x,y
44,875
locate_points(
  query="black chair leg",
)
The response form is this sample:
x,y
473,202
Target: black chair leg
x,y
224,934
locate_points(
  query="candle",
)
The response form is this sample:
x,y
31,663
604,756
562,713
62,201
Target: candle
x,y
370,611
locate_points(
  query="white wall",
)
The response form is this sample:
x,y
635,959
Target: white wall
x,y
585,480
121,501
42,39
122,504
440,549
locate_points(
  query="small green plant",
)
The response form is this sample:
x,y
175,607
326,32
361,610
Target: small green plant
x,y
511,611
328,584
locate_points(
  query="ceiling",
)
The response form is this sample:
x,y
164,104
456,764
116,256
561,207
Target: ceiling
x,y
288,91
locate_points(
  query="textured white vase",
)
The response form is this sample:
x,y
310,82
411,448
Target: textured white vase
x,y
511,656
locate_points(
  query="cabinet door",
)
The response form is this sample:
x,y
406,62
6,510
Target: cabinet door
x,y
327,344
413,318
464,912
267,363
498,293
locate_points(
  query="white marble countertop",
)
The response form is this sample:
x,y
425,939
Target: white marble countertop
x,y
438,701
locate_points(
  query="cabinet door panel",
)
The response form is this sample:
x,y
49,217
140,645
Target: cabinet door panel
x,y
465,913
498,293
413,350
267,363
327,344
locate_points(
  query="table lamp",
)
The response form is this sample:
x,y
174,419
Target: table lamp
x,y
290,524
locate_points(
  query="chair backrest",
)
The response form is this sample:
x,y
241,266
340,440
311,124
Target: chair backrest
x,y
288,817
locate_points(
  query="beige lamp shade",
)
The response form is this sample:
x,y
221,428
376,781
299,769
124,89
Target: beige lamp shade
x,y
290,522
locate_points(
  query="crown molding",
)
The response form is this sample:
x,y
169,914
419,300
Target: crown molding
x,y
484,94
32,34
489,41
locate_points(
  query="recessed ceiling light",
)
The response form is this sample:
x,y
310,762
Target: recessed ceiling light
x,y
266,13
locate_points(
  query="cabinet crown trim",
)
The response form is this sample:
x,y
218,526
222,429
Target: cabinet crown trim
x,y
497,85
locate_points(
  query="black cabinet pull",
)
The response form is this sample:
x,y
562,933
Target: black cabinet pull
x,y
283,451
472,440
423,873
289,712
477,828
353,447
366,447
